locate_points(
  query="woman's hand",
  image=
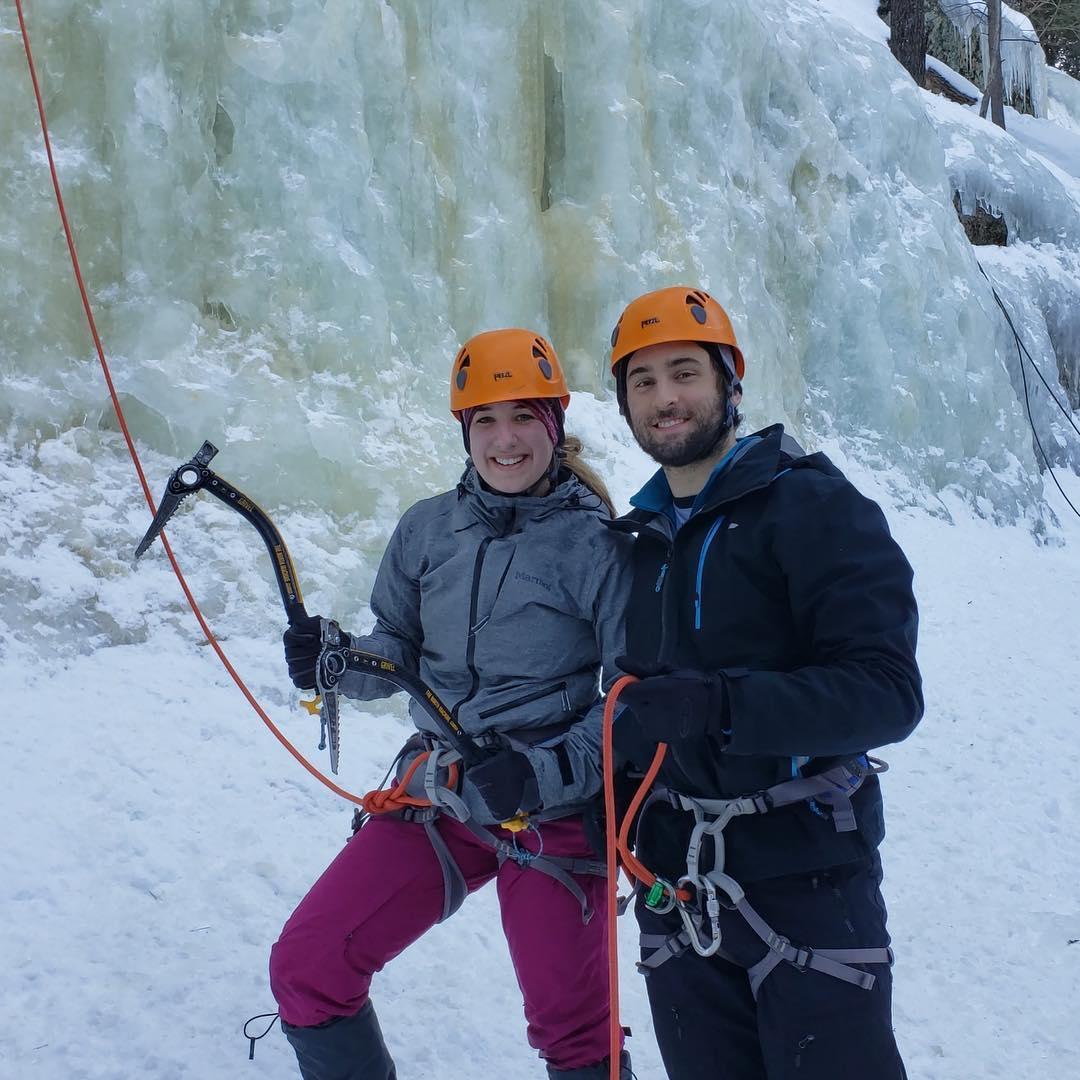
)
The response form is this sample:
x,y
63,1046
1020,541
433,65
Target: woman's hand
x,y
303,644
506,782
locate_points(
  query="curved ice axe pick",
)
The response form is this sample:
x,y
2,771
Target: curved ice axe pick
x,y
195,476
334,659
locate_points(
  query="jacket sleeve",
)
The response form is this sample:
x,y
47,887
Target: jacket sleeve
x,y
568,769
397,634
851,601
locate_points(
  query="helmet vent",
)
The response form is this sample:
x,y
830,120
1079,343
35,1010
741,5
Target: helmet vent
x,y
462,376
615,333
696,302
540,355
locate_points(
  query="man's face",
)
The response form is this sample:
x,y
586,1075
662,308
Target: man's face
x,y
675,402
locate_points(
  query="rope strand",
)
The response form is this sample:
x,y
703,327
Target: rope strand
x,y
117,408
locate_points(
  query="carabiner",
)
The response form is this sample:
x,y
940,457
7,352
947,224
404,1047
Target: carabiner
x,y
712,913
661,897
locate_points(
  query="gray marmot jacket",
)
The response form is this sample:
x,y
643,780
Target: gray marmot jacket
x,y
508,607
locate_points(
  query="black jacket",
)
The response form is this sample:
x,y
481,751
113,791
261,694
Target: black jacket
x,y
786,581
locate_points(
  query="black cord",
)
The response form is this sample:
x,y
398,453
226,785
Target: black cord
x,y
1020,345
1021,351
1035,434
253,1039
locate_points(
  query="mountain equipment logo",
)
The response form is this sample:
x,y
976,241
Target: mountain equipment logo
x,y
650,322
503,375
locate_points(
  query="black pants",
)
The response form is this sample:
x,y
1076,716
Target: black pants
x,y
804,1025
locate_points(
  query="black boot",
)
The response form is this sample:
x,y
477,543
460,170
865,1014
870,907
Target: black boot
x,y
346,1048
600,1071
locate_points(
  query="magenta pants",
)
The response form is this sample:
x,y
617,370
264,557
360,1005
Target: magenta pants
x,y
385,889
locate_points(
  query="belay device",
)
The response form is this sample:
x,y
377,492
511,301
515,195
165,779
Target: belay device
x,y
334,658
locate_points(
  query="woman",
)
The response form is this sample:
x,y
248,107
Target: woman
x,y
506,597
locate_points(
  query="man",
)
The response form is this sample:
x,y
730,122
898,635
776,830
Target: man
x,y
773,625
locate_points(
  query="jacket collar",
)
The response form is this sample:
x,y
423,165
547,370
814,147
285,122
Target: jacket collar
x,y
502,514
750,465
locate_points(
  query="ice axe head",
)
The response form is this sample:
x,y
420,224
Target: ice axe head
x,y
185,481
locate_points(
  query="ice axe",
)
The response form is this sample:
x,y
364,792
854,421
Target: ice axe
x,y
335,659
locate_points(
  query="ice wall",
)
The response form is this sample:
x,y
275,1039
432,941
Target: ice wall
x,y
290,211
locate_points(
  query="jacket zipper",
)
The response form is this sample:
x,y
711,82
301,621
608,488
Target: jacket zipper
x,y
665,620
534,696
713,530
470,647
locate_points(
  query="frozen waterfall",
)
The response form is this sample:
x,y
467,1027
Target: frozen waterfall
x,y
290,213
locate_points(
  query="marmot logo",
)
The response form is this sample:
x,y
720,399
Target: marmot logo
x,y
503,375
649,322
532,579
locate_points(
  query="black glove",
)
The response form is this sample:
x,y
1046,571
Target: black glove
x,y
670,706
303,643
506,782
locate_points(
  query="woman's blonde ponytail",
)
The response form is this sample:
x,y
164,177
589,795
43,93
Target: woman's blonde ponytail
x,y
571,451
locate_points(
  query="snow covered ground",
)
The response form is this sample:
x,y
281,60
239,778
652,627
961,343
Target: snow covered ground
x,y
157,835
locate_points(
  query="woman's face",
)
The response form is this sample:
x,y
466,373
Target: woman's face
x,y
510,447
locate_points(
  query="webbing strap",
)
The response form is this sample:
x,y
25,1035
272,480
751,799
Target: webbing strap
x,y
454,888
558,867
667,947
442,797
834,962
835,786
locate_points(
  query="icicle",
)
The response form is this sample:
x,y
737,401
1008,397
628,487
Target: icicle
x,y
1023,62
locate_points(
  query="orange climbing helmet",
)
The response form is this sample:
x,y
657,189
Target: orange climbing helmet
x,y
680,313
505,365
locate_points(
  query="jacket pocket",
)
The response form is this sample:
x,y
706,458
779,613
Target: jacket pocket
x,y
527,699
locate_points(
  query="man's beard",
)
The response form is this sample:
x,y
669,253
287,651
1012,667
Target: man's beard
x,y
704,437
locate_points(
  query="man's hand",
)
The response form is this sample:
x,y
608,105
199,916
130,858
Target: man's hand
x,y
669,706
506,782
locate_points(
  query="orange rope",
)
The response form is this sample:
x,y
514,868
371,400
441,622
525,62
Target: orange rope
x,y
610,844
617,842
397,797
275,731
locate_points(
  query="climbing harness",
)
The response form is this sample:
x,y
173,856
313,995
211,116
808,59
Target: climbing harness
x,y
431,791
713,890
